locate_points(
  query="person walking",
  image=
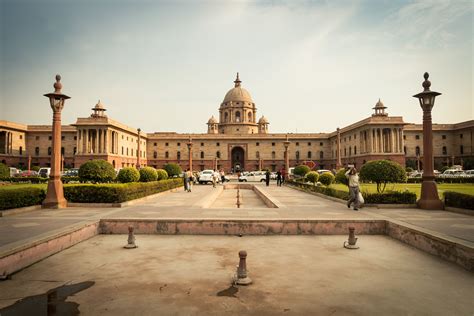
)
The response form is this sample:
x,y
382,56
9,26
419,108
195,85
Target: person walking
x,y
353,177
215,176
267,178
189,176
186,181
222,174
279,179
283,175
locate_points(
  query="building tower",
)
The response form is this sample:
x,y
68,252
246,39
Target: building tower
x,y
263,125
212,126
379,109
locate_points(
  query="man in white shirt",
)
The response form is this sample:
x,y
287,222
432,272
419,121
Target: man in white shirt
x,y
353,177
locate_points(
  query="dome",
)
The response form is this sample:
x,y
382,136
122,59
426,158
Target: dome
x,y
379,104
263,120
212,120
237,94
99,106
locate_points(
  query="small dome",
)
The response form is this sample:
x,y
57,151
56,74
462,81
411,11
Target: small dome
x,y
212,120
379,104
237,94
263,120
99,106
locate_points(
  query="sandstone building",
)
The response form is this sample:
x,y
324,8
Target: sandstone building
x,y
236,140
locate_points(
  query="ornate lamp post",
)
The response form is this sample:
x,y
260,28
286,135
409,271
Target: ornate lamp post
x,y
286,143
429,199
55,195
190,151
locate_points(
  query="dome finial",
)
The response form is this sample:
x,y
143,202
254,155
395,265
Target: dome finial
x,y
58,85
426,84
237,81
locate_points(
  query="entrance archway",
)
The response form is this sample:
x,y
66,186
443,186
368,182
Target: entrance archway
x,y
238,161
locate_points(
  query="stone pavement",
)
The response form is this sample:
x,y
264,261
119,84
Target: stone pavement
x,y
22,228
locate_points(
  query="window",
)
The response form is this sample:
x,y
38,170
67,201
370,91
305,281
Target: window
x,y
417,136
349,138
127,137
443,136
75,137
321,154
218,154
226,117
273,154
122,150
202,155
297,155
257,144
178,155
62,151
154,144
167,155
166,144
49,151
309,143
37,137
202,144
404,137
74,151
405,149
250,117
350,150
297,143
21,136
62,137
461,149
460,136
320,144
127,151
155,154
345,152
445,150
257,154
21,150
355,150
217,144
179,144
49,137
417,150
355,136
131,151
273,144
237,116
309,155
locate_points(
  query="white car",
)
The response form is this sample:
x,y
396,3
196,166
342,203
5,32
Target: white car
x,y
452,173
14,172
258,176
321,171
44,172
469,173
205,176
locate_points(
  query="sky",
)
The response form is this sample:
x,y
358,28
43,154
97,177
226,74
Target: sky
x,y
310,66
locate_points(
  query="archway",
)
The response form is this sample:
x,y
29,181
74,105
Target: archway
x,y
238,161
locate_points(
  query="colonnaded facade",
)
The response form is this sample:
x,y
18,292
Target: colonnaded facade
x,y
237,140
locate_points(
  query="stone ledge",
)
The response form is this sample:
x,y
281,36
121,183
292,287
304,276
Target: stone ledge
x,y
20,210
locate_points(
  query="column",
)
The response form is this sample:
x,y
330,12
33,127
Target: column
x,y
401,139
338,149
106,142
78,135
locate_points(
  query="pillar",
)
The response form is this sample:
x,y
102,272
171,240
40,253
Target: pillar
x,y
138,148
338,149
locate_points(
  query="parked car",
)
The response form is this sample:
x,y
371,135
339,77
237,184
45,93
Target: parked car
x,y
44,172
321,171
452,173
258,176
469,173
205,176
14,172
74,172
27,173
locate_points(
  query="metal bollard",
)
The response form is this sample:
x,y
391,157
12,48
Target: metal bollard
x,y
238,198
131,239
351,242
242,277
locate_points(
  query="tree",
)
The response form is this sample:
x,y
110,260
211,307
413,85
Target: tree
x,y
326,178
148,174
4,171
301,170
341,177
129,174
411,163
97,170
312,176
172,169
382,172
162,174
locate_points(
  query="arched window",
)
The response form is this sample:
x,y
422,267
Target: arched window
x,y
445,150
309,155
297,155
355,150
273,154
167,154
350,150
218,154
321,154
178,155
155,154
226,117
249,115
237,116
405,149
37,151
202,155
257,154
49,151
62,151
417,150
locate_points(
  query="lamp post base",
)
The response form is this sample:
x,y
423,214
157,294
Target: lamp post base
x,y
55,195
429,199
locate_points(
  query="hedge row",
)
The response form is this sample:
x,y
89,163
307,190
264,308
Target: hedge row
x,y
393,197
117,193
21,197
460,200
444,180
36,180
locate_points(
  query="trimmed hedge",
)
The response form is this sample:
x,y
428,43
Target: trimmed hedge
x,y
444,180
301,170
97,171
128,174
21,197
460,200
162,174
321,189
312,176
172,169
326,178
117,192
148,174
25,179
341,176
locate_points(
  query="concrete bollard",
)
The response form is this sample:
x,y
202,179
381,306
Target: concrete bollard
x,y
242,277
131,239
351,242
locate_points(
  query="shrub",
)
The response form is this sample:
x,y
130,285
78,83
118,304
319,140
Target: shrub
x,y
26,179
162,174
97,171
312,176
4,171
341,177
460,200
344,195
67,179
326,178
382,172
116,192
172,169
21,197
301,170
148,174
393,197
128,174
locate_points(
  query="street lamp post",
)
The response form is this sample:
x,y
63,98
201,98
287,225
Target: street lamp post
x,y
190,157
138,148
286,143
429,199
55,194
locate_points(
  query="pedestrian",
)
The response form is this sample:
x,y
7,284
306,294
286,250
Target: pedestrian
x,y
189,176
222,176
353,177
186,181
279,178
267,178
215,176
283,175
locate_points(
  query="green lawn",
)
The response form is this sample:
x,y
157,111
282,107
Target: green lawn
x,y
466,188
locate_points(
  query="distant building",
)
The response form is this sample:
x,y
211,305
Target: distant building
x,y
236,141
